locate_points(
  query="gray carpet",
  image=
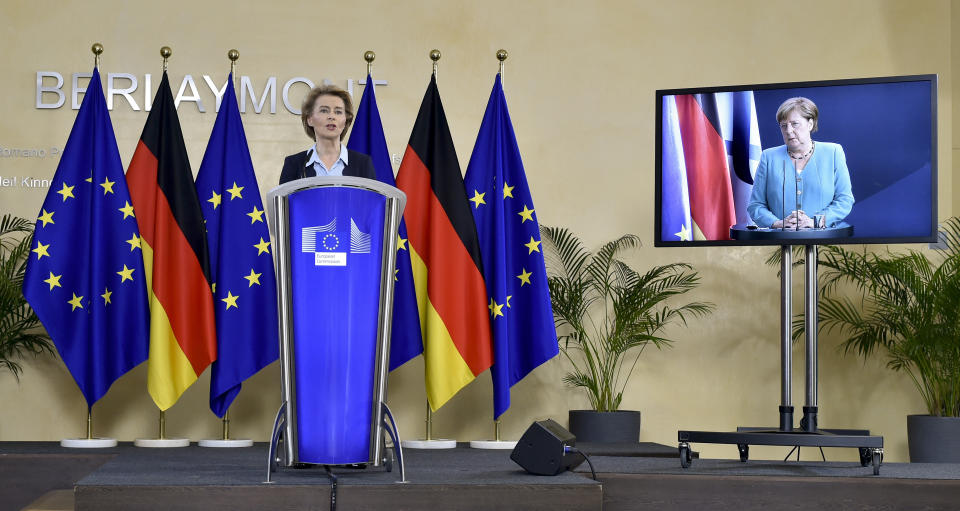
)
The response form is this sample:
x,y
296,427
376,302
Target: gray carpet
x,y
210,466
769,468
197,466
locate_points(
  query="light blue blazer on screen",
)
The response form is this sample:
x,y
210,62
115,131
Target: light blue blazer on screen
x,y
824,186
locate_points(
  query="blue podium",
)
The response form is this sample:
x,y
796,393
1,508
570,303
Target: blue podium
x,y
334,248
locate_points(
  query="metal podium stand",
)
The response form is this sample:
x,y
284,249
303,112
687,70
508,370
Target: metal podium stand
x,y
335,245
808,434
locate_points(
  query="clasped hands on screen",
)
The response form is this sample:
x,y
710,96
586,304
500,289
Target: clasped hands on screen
x,y
797,220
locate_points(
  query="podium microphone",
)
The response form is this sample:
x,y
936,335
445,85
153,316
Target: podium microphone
x,y
796,200
783,197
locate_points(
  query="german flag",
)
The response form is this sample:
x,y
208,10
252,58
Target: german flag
x,y
704,150
182,326
445,257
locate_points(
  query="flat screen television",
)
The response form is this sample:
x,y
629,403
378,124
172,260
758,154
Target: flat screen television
x,y
724,170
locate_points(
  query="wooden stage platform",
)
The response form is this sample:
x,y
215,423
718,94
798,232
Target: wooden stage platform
x,y
637,476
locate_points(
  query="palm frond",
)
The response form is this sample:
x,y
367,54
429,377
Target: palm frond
x,y
605,310
20,333
906,306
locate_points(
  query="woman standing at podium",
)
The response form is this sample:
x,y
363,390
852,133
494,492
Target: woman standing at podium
x,y
327,114
801,184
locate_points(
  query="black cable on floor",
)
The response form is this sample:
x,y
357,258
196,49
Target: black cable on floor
x,y
333,488
585,457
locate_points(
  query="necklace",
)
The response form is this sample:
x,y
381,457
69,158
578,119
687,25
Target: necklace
x,y
805,155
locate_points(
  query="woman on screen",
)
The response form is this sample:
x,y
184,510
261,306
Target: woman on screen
x,y
801,184
326,114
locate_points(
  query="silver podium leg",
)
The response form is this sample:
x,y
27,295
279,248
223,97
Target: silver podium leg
x,y
786,347
274,440
395,437
809,422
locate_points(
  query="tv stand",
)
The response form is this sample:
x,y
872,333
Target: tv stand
x,y
808,434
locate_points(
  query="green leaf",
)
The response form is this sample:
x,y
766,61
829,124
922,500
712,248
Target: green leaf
x,y
606,312
903,306
20,332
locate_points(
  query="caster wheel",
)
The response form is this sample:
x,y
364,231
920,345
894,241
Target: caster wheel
x,y
686,456
866,456
744,452
388,457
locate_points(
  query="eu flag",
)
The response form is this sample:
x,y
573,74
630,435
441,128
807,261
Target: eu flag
x,y
675,223
85,276
521,316
367,137
241,266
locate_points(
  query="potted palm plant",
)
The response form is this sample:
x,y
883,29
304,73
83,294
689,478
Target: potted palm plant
x,y
606,315
906,307
20,334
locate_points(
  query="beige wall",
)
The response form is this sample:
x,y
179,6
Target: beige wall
x,y
580,81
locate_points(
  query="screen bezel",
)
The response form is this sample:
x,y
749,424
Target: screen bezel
x,y
934,168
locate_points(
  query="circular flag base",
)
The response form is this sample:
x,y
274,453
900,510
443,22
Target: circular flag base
x,y
492,444
243,442
161,442
88,443
441,443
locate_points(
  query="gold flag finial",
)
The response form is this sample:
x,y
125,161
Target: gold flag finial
x,y
369,56
165,52
97,49
501,56
435,57
233,55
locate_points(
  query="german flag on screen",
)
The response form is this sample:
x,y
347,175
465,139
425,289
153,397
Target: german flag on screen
x,y
182,326
445,257
705,154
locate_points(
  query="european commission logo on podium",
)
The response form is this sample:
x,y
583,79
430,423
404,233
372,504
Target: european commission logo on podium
x,y
326,244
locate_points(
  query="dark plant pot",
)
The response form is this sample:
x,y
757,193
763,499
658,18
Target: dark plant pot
x,y
933,439
607,427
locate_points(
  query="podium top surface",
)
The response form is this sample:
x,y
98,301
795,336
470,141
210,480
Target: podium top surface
x,y
744,232
348,181
390,192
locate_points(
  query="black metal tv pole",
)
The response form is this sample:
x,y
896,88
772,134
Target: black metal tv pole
x,y
808,434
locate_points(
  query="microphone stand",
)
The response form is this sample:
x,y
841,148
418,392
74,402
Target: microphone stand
x,y
783,196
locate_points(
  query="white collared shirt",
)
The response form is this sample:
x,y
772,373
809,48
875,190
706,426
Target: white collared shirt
x,y
321,169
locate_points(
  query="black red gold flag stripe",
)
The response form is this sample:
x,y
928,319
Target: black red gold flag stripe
x,y
445,256
182,325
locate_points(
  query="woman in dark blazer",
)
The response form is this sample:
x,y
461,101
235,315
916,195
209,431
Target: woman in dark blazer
x,y
327,114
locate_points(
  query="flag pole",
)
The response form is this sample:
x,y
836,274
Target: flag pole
x,y
369,56
429,423
162,440
496,443
233,55
90,441
435,57
97,49
225,441
428,442
163,425
501,56
165,52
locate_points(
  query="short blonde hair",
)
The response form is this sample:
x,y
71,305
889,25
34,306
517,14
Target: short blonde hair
x,y
310,101
808,110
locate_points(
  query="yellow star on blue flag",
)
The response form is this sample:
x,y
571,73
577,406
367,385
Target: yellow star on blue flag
x,y
523,336
246,342
79,251
366,136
